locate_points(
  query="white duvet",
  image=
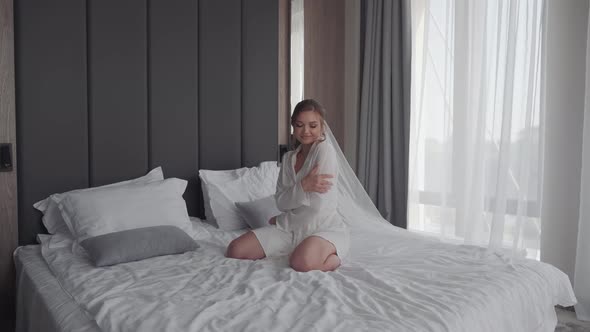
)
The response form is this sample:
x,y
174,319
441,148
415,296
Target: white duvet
x,y
392,280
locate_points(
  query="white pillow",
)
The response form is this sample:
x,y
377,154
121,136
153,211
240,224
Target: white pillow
x,y
52,218
113,209
209,178
222,189
258,213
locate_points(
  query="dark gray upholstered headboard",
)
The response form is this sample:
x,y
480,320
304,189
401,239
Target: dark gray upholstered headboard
x,y
108,89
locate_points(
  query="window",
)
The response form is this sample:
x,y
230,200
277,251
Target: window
x,y
475,150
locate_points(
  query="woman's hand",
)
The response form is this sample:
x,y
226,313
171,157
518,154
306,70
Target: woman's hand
x,y
314,182
273,221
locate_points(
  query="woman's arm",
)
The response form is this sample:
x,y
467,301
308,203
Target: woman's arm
x,y
292,197
327,163
289,197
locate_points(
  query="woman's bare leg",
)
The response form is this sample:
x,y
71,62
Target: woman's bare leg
x,y
332,263
314,253
245,246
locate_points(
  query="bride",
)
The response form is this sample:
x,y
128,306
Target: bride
x,y
310,229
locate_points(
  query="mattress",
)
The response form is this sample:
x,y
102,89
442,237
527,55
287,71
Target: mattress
x,y
42,305
393,280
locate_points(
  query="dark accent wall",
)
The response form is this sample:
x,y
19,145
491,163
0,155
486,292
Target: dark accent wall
x,y
220,61
259,76
117,38
106,90
172,91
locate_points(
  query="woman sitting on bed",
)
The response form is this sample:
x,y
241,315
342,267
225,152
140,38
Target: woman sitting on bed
x,y
310,228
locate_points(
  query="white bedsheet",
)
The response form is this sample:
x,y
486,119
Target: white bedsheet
x,y
392,280
40,303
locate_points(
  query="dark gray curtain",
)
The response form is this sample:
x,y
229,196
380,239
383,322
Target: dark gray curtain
x,y
384,118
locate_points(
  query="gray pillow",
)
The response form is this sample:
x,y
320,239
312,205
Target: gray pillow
x,y
137,244
257,213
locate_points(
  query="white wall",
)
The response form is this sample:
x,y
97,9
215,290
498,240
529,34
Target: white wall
x,y
566,28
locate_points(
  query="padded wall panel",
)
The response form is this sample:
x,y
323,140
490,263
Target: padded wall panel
x,y
259,81
50,47
117,80
220,84
107,91
173,105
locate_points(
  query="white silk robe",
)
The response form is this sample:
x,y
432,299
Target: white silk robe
x,y
306,213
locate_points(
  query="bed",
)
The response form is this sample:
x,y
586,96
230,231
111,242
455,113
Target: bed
x,y
393,280
217,117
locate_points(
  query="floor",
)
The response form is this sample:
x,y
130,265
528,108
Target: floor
x,y
567,322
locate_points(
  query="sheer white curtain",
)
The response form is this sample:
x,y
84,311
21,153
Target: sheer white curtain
x,y
297,51
477,126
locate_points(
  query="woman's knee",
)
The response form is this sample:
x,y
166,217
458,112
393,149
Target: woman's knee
x,y
301,263
234,250
332,263
312,254
245,247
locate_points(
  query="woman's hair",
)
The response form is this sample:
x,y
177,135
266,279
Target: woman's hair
x,y
304,106
307,105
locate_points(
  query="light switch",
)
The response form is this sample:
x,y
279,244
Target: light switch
x,y
5,157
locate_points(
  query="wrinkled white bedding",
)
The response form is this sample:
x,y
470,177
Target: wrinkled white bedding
x,y
392,280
